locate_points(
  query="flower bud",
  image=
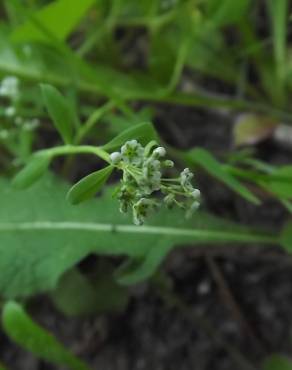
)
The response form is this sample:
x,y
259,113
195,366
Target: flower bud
x,y
115,157
168,163
196,194
159,152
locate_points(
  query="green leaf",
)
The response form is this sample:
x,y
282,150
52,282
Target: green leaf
x,y
95,296
35,169
59,18
206,160
143,132
42,236
135,270
277,362
29,335
280,182
88,186
226,12
60,111
279,12
286,237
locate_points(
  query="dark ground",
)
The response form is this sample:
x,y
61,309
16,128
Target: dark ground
x,y
245,293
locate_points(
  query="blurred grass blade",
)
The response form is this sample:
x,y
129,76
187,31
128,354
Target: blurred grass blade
x,y
59,17
35,169
277,362
226,12
29,335
60,111
279,182
89,185
279,13
286,237
143,132
206,160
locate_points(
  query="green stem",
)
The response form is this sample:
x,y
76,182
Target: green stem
x,y
78,149
92,120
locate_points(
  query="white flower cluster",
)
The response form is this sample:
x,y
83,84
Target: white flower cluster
x,y
143,181
9,87
10,91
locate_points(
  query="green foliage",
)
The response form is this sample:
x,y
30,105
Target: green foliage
x,y
143,132
40,216
279,183
89,185
277,362
59,18
97,295
35,168
226,12
60,111
42,237
205,159
19,326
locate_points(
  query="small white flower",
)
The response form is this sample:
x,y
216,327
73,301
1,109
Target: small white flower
x,y
10,111
132,152
4,134
193,207
116,157
185,179
141,210
159,152
195,194
9,87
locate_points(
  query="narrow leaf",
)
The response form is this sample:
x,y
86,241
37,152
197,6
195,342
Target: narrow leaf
x,y
59,18
35,168
205,159
60,111
29,335
286,237
89,185
280,182
143,132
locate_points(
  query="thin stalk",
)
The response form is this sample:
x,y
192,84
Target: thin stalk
x,y
92,120
78,149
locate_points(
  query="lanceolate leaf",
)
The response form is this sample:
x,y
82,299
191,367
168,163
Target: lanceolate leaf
x,y
286,237
206,160
35,168
26,333
143,132
42,235
89,185
60,111
60,18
